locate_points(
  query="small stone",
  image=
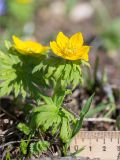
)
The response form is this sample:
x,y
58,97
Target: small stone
x,y
6,121
57,8
11,122
81,12
76,93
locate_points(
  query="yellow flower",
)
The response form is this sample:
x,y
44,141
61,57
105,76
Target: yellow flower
x,y
24,1
29,47
70,48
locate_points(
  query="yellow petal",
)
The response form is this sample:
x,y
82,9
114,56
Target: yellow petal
x,y
29,47
71,49
62,40
76,41
16,40
33,46
69,57
18,44
55,48
24,1
83,53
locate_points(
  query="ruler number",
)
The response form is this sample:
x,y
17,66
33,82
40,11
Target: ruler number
x,y
76,147
98,144
104,148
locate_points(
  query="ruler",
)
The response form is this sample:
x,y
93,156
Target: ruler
x,y
99,145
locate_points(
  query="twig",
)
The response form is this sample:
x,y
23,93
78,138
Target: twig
x,y
100,120
8,130
13,142
2,115
9,143
10,115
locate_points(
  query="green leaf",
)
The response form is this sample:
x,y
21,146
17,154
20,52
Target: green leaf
x,y
7,157
59,71
76,74
65,132
39,147
84,111
16,74
100,107
45,116
24,128
37,68
118,123
56,126
77,153
53,118
8,45
67,71
47,99
50,71
85,63
59,96
79,122
68,115
23,146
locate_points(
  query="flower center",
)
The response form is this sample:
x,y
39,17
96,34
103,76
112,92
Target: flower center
x,y
70,51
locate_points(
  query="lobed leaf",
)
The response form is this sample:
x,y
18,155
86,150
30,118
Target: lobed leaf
x,y
24,128
23,146
39,147
53,118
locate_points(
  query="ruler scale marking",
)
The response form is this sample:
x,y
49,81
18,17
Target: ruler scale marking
x,y
99,145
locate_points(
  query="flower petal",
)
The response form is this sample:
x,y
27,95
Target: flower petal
x,y
29,47
71,49
18,44
16,40
62,40
83,53
55,48
76,41
24,1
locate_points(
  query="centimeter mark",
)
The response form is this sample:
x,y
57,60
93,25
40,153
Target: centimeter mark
x,y
98,134
102,145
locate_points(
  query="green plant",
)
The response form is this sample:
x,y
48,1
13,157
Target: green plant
x,y
111,35
109,32
7,156
39,147
26,13
98,82
30,69
16,6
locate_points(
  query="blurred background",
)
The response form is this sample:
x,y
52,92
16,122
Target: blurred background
x,y
98,20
